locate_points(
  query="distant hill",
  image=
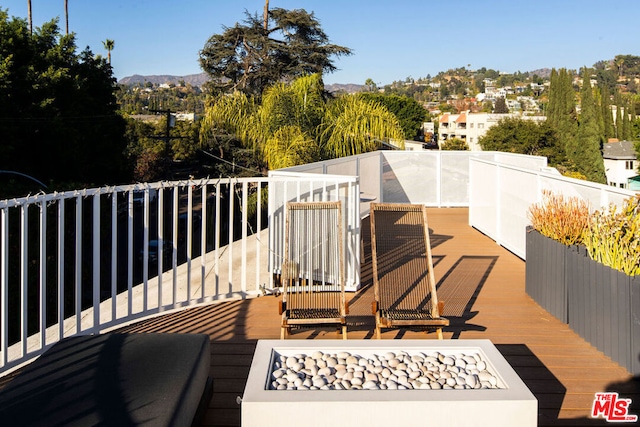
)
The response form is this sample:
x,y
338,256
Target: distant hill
x,y
345,88
192,79
545,73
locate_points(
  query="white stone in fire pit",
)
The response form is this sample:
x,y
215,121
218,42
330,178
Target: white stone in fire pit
x,y
506,402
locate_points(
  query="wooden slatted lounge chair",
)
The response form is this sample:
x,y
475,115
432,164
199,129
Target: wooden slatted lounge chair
x,y
403,278
313,267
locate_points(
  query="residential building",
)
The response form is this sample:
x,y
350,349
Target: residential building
x,y
470,127
620,163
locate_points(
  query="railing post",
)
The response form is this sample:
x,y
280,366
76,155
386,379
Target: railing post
x,y
96,262
114,253
203,240
230,243
189,235
160,250
78,271
24,262
61,270
43,274
243,277
145,249
4,284
174,238
130,253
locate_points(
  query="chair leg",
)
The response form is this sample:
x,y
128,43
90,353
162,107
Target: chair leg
x,y
378,332
344,332
284,332
439,333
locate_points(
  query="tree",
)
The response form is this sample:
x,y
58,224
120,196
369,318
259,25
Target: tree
x,y
249,57
410,113
607,117
108,45
30,16
454,144
66,17
501,106
58,114
370,85
586,154
561,109
296,124
516,135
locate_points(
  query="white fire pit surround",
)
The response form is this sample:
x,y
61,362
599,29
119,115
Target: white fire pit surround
x,y
508,403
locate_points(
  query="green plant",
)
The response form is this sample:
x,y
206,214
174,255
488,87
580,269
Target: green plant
x,y
613,238
559,218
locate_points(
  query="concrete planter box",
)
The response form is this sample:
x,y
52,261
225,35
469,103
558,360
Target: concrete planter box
x,y
512,404
545,273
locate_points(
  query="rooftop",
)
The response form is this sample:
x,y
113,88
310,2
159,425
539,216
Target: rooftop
x,y
477,218
482,285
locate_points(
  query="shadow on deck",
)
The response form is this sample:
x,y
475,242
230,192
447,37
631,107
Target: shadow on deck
x,y
482,285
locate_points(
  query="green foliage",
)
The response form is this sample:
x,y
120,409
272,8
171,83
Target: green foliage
x,y
561,109
613,238
454,144
250,58
295,124
501,106
351,125
562,219
58,116
516,135
585,153
410,113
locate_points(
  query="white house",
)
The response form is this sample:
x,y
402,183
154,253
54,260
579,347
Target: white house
x,y
620,163
470,127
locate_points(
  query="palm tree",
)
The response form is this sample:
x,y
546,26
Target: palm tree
x,y
66,15
30,16
295,124
108,44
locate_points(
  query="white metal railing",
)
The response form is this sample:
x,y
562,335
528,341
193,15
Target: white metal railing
x,y
91,260
87,261
501,194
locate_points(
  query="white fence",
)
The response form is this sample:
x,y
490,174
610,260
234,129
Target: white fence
x,y
501,194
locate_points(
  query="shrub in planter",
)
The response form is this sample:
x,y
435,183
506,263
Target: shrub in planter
x,y
613,237
604,288
557,226
561,219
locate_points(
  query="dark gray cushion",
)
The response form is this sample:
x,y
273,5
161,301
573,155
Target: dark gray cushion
x,y
111,379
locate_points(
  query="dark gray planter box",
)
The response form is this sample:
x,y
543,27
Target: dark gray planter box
x,y
604,305
545,273
600,304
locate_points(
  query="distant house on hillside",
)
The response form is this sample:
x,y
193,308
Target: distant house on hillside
x,y
620,164
470,127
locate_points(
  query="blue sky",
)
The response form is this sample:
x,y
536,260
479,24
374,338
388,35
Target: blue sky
x,y
391,40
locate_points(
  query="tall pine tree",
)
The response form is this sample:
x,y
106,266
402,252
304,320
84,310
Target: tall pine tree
x,y
586,152
561,113
607,117
618,123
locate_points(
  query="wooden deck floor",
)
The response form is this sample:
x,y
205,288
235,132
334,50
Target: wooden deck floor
x,y
483,286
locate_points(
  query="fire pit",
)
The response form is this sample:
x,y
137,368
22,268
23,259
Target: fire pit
x,y
370,383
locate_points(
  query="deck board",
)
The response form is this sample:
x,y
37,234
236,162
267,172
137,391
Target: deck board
x,y
483,286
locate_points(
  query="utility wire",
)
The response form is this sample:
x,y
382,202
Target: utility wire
x,y
233,164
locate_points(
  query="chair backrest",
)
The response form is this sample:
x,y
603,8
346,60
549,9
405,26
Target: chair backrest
x,y
313,265
401,258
